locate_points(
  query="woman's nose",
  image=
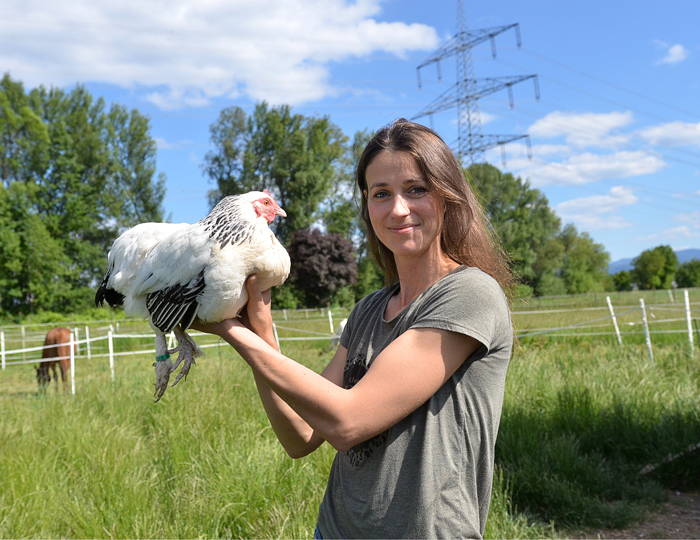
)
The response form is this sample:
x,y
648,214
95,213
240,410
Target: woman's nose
x,y
400,206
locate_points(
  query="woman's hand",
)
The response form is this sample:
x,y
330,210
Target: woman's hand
x,y
257,316
258,313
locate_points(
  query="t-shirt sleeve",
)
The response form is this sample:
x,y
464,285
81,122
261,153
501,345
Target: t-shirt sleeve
x,y
469,302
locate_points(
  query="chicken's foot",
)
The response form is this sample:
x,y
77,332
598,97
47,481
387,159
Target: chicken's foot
x,y
188,350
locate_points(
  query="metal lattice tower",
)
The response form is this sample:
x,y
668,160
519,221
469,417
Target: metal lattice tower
x,y
468,115
466,92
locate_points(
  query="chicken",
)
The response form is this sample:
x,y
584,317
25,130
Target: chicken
x,y
174,273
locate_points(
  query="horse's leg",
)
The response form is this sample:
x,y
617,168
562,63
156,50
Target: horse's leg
x,y
64,377
40,378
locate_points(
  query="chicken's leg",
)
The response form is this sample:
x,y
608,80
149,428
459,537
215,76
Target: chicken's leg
x,y
188,351
163,365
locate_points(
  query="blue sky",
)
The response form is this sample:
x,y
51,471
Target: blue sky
x,y
615,136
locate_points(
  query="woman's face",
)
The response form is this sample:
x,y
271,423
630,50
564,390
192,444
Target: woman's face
x,y
404,212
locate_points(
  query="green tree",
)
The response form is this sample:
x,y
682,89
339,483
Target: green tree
x,y
133,167
688,274
585,265
293,156
369,278
520,215
655,268
622,281
546,258
33,264
24,138
548,268
82,174
340,211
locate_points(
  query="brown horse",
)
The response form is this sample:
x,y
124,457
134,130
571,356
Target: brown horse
x,y
57,352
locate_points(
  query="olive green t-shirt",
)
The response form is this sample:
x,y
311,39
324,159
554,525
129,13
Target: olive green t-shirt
x,y
429,475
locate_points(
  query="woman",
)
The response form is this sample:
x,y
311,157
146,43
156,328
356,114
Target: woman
x,y
412,397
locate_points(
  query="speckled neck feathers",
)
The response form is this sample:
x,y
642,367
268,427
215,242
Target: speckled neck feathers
x,y
231,221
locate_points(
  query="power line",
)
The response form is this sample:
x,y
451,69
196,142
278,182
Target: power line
x,y
464,95
610,84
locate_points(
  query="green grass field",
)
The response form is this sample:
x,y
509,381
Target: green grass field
x,y
582,416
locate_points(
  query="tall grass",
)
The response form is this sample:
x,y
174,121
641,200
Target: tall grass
x,y
581,418
108,462
581,421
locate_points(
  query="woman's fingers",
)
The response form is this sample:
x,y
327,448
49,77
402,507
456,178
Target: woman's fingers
x,y
258,311
255,294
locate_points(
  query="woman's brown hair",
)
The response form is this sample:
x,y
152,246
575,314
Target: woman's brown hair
x,y
467,236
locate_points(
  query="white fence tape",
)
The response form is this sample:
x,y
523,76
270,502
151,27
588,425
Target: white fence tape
x,y
111,336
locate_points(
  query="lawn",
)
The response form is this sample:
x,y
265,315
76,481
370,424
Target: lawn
x,y
582,417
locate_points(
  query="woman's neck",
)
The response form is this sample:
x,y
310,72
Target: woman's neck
x,y
414,278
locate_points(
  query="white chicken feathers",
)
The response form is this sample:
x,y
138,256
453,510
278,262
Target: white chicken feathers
x,y
172,273
124,261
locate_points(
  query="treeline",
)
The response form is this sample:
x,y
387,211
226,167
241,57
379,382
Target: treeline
x,y
658,268
75,173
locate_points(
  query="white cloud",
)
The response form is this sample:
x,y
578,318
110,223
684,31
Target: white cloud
x,y
692,218
187,52
673,134
674,53
586,168
583,130
689,229
164,144
487,117
595,213
673,233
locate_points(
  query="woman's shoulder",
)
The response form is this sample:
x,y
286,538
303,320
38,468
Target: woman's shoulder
x,y
469,278
467,289
466,301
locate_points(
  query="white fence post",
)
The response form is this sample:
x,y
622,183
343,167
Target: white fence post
x,y
670,295
687,316
87,342
330,320
111,353
646,329
24,343
277,339
614,319
77,338
2,348
72,364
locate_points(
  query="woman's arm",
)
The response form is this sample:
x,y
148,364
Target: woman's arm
x,y
410,370
295,435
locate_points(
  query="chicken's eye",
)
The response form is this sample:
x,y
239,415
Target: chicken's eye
x,y
266,202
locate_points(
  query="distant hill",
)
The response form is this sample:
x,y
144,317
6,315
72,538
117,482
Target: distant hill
x,y
683,255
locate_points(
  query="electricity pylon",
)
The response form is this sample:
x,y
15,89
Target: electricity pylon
x,y
466,92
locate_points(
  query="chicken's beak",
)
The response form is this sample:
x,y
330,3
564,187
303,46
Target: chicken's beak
x,y
280,212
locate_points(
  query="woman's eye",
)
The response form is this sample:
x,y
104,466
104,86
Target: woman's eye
x,y
418,190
